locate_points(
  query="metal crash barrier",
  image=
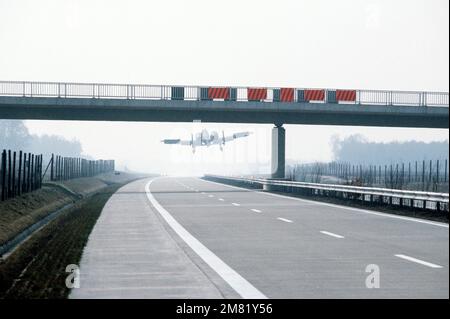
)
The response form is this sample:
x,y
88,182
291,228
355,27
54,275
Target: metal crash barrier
x,y
403,198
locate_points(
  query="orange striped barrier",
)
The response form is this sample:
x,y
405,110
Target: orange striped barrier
x,y
346,95
256,94
286,94
314,95
219,93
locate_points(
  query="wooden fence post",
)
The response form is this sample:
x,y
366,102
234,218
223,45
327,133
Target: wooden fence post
x,y
430,174
51,167
416,179
32,174
3,181
13,186
19,182
437,172
9,174
423,175
24,172
29,172
59,167
445,171
409,172
40,170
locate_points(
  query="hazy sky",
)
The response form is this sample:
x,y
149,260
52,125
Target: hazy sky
x,y
345,44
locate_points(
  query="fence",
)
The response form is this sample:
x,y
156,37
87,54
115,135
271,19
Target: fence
x,y
419,175
64,168
20,173
196,93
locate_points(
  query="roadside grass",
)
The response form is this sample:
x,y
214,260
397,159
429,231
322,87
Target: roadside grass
x,y
84,185
37,268
18,213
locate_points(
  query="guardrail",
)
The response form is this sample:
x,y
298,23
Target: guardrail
x,y
197,93
366,193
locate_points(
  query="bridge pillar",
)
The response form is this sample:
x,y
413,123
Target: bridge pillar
x,y
278,152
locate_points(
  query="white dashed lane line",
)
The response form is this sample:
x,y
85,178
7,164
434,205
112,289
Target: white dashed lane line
x,y
418,261
331,234
256,210
235,204
221,199
285,220
210,195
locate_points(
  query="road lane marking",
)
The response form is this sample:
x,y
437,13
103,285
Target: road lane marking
x,y
221,199
415,260
256,210
210,195
285,220
331,234
236,281
359,210
235,204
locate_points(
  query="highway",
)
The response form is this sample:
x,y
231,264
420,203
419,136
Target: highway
x,y
254,245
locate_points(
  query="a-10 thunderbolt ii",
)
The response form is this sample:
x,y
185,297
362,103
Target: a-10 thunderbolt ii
x,y
206,139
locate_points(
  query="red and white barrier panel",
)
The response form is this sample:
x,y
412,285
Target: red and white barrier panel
x,y
219,93
256,94
346,95
314,95
286,94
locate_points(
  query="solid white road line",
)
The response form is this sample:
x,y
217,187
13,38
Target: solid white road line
x,y
235,204
236,281
331,234
359,210
256,210
285,220
415,260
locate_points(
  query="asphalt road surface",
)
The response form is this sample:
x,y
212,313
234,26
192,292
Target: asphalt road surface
x,y
243,243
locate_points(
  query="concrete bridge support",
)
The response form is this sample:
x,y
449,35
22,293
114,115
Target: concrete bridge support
x,y
278,152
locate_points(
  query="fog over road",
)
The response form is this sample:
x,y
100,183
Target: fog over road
x,y
238,242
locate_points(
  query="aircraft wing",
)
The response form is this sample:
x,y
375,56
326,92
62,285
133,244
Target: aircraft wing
x,y
176,141
236,135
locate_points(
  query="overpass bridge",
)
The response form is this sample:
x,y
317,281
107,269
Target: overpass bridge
x,y
275,105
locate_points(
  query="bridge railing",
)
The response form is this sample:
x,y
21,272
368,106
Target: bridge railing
x,y
196,93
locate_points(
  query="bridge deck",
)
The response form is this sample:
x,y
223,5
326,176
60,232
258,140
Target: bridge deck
x,y
50,108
